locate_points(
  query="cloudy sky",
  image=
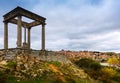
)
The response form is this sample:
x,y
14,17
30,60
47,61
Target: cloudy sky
x,y
71,24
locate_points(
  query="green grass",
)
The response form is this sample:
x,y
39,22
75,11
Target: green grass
x,y
56,63
11,64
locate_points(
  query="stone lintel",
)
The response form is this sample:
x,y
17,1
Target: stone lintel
x,y
23,12
11,15
35,23
33,16
25,24
15,21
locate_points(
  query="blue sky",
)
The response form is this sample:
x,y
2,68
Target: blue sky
x,y
71,24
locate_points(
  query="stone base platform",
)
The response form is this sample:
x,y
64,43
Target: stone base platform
x,y
43,55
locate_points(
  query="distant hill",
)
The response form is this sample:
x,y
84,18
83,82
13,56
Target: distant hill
x,y
95,55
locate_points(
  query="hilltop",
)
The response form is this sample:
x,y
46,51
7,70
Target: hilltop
x,y
57,67
30,69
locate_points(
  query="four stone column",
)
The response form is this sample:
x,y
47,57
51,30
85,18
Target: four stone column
x,y
5,35
19,33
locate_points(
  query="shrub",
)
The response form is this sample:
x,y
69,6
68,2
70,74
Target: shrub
x,y
95,66
3,77
113,61
117,77
110,53
91,67
109,72
118,70
84,63
88,64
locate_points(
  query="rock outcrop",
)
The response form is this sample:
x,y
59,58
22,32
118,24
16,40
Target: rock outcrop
x,y
29,67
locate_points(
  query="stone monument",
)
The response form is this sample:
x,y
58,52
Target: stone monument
x,y
15,17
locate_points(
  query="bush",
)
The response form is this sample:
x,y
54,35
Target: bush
x,y
91,67
113,61
109,72
117,77
118,70
3,77
88,64
84,63
95,66
110,53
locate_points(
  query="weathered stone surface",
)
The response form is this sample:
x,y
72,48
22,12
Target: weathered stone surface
x,y
3,62
2,53
51,56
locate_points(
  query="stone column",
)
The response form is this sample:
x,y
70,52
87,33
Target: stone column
x,y
19,33
24,35
43,36
5,35
29,40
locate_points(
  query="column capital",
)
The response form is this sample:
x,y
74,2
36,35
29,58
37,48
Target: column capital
x,y
43,24
6,22
19,15
19,18
29,28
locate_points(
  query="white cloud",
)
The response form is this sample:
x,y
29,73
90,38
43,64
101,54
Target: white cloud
x,y
85,27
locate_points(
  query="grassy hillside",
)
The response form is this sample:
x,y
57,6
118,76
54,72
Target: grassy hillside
x,y
29,69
